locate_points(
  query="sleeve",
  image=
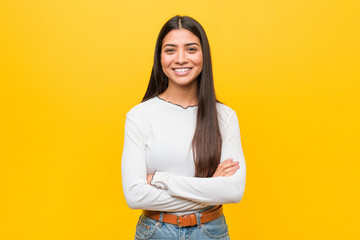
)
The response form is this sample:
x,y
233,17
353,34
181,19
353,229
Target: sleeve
x,y
139,194
213,190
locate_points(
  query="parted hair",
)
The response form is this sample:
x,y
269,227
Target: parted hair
x,y
206,143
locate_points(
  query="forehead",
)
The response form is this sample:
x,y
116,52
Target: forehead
x,y
180,36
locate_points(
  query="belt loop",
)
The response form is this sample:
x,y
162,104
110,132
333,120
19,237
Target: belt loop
x,y
161,219
198,219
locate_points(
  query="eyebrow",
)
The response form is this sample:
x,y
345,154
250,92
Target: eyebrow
x,y
174,45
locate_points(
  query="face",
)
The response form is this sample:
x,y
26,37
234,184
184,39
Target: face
x,y
181,57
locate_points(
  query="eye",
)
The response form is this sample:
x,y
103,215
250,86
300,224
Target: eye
x,y
192,49
169,50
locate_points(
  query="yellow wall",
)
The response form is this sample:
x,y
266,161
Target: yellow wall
x,y
70,70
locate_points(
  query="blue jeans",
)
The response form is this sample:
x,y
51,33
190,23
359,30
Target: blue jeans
x,y
148,228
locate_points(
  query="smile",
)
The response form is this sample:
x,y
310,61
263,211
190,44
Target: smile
x,y
181,69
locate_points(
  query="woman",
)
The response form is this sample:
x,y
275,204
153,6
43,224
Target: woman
x,y
182,156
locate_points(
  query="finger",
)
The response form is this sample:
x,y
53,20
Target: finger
x,y
148,178
222,171
230,169
218,171
227,165
230,173
224,165
226,161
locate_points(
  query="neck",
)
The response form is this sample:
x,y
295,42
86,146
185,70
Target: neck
x,y
182,95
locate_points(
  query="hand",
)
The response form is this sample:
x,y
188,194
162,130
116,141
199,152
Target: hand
x,y
226,168
148,178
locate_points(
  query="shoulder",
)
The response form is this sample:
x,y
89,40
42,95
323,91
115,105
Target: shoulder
x,y
142,109
226,115
138,116
224,111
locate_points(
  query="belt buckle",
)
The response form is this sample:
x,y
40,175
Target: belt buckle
x,y
178,222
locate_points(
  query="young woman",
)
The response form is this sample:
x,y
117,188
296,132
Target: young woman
x,y
182,156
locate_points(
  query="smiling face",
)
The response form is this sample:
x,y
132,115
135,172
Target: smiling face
x,y
181,57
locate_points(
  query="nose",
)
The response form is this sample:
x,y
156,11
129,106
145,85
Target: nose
x,y
181,57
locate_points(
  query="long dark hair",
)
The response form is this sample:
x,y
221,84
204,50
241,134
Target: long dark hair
x,y
206,143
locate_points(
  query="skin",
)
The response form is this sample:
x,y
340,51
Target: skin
x,y
182,49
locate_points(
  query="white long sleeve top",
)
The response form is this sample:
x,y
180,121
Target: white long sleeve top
x,y
158,136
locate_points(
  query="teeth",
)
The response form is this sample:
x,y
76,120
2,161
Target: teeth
x,y
181,69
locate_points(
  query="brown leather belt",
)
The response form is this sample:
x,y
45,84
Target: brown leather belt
x,y
189,219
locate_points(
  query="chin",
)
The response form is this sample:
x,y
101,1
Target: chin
x,y
184,83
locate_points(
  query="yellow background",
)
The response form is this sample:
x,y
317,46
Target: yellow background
x,y
70,70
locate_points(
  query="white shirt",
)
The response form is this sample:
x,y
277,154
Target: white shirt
x,y
158,136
